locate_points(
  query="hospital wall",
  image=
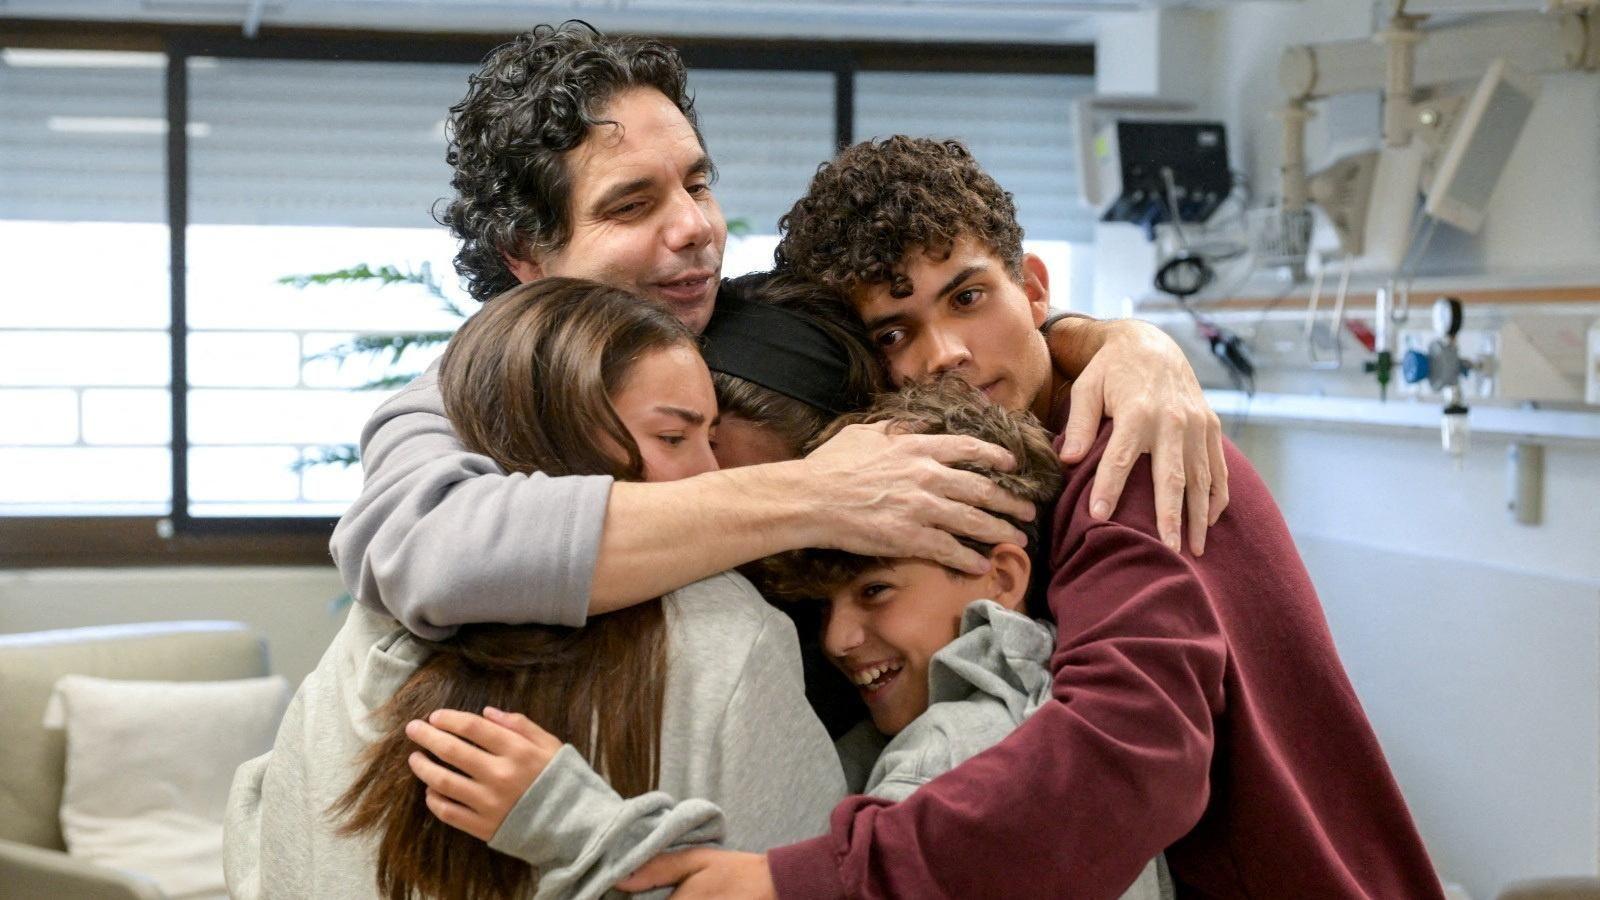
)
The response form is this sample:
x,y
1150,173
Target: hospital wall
x,y
1474,642
296,609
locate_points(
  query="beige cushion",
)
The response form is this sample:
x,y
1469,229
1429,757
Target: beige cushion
x,y
30,666
149,764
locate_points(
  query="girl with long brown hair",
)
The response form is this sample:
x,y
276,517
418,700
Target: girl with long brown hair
x,y
557,377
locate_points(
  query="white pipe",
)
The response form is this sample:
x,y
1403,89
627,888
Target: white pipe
x,y
1399,42
1532,43
1292,173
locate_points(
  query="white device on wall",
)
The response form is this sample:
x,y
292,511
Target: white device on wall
x,y
1485,135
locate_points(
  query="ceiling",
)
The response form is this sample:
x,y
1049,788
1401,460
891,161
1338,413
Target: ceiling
x,y
1001,21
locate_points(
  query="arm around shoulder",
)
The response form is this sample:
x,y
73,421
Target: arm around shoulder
x,y
440,537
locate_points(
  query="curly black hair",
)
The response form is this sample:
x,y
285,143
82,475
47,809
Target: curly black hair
x,y
533,99
879,200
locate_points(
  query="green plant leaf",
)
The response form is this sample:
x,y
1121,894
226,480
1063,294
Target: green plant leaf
x,y
390,382
374,344
345,455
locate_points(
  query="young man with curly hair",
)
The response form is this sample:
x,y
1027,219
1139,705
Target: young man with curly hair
x,y
1199,707
576,154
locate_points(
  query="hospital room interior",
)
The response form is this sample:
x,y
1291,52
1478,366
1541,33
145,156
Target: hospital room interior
x,y
1372,227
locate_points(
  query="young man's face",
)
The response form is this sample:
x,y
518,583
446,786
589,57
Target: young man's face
x,y
967,315
882,629
642,215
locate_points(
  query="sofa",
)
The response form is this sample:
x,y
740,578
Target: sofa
x,y
33,857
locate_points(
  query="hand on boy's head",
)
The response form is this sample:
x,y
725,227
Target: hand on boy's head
x,y
495,756
892,495
1142,381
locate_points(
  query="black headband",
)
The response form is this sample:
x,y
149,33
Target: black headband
x,y
780,350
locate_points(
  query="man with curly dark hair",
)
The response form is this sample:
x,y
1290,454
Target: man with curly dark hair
x,y
1198,706
578,155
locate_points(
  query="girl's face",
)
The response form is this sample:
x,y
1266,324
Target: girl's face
x,y
669,407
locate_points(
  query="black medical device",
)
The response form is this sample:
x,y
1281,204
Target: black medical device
x,y
1158,168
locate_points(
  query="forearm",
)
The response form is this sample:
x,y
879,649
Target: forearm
x,y
661,536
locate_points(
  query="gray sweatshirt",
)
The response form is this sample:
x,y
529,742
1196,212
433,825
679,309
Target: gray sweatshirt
x,y
440,537
736,731
982,686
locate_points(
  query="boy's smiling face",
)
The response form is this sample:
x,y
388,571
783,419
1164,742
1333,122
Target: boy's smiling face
x,y
883,627
968,315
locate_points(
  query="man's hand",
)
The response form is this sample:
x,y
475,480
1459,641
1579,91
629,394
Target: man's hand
x,y
714,874
499,755
1141,380
895,495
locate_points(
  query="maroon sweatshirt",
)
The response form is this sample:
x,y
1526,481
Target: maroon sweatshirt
x,y
1200,710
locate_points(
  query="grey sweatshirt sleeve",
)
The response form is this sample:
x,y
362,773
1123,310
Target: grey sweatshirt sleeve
x,y
441,537
583,837
754,746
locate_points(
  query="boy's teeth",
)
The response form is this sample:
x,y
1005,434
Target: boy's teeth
x,y
868,676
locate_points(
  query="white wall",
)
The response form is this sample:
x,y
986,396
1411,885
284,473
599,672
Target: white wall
x,y
291,606
1474,642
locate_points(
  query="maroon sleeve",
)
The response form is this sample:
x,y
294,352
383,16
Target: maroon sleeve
x,y
1099,780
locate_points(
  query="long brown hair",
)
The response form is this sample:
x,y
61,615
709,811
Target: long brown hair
x,y
527,382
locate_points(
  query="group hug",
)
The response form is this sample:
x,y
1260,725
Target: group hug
x,y
865,576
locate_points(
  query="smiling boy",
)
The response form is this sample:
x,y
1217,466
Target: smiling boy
x,y
947,663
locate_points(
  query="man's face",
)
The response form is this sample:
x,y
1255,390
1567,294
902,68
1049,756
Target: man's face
x,y
642,215
882,629
965,315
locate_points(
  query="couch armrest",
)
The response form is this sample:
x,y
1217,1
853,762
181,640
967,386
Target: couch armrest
x,y
1577,888
28,871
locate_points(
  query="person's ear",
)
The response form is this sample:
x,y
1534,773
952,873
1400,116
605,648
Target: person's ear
x,y
1036,286
524,270
1009,571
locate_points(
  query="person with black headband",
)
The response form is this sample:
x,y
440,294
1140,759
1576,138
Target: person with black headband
x,y
786,356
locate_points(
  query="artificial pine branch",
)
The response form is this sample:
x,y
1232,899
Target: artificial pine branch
x,y
337,454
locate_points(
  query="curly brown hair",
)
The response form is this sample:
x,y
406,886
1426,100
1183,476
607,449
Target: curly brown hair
x,y
946,405
880,200
533,99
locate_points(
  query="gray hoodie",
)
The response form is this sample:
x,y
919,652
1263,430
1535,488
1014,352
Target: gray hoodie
x,y
981,686
736,731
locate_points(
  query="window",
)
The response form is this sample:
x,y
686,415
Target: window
x,y
299,167
84,363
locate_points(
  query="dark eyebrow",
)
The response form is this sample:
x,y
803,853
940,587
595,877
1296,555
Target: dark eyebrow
x,y
876,322
895,318
688,415
617,192
960,276
701,166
